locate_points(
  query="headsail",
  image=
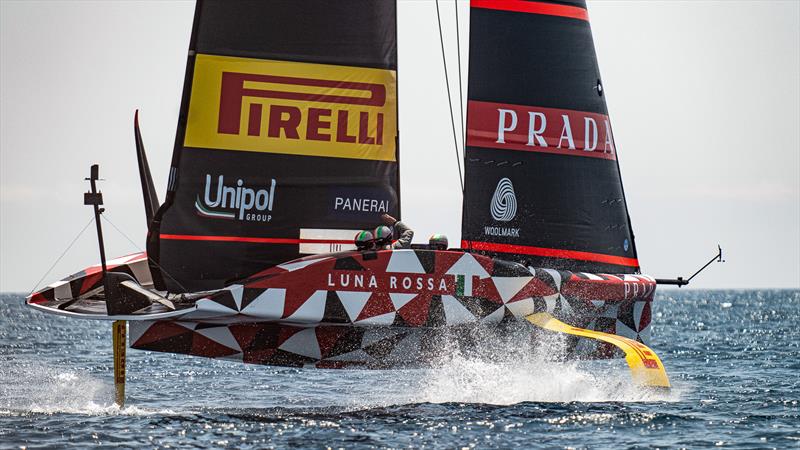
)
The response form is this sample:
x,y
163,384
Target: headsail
x,y
286,141
542,180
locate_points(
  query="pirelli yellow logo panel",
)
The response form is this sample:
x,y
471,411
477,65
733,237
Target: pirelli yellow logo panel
x,y
258,105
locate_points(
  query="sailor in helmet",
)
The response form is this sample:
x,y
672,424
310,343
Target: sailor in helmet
x,y
438,242
384,234
364,241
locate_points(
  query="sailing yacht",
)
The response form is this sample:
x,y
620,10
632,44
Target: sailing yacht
x,y
287,145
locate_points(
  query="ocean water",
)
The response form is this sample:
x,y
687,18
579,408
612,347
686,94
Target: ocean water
x,y
733,358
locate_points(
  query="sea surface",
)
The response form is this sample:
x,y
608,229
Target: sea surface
x,y
733,358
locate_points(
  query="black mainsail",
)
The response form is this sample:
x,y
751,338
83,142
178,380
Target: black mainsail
x,y
542,182
286,141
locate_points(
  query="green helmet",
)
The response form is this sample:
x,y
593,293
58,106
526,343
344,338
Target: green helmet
x,y
383,235
364,240
438,242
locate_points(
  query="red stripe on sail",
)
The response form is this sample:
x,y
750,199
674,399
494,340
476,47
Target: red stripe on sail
x,y
551,253
254,240
548,9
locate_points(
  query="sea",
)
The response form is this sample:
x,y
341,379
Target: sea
x,y
733,357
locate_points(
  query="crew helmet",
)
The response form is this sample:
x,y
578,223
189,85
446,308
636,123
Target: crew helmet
x,y
364,240
382,235
437,242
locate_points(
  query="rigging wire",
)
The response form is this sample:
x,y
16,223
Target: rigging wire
x,y
464,211
62,255
449,100
460,89
123,234
149,260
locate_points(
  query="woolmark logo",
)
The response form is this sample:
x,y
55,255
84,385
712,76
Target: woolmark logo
x,y
237,202
504,201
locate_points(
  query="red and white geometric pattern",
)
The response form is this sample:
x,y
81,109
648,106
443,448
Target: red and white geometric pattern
x,y
365,309
390,308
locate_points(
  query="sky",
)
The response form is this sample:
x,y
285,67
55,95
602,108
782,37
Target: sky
x,y
704,97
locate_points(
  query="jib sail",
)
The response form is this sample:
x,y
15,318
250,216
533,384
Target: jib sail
x,y
286,141
542,180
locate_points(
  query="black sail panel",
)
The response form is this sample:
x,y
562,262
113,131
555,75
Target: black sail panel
x,y
543,185
286,141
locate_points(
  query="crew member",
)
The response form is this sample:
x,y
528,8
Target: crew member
x,y
437,242
383,234
364,240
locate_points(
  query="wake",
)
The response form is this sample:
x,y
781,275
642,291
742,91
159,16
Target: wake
x,y
35,388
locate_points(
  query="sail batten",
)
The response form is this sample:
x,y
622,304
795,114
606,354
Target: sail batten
x,y
542,178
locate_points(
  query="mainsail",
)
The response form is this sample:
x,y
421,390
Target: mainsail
x,y
542,180
286,141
